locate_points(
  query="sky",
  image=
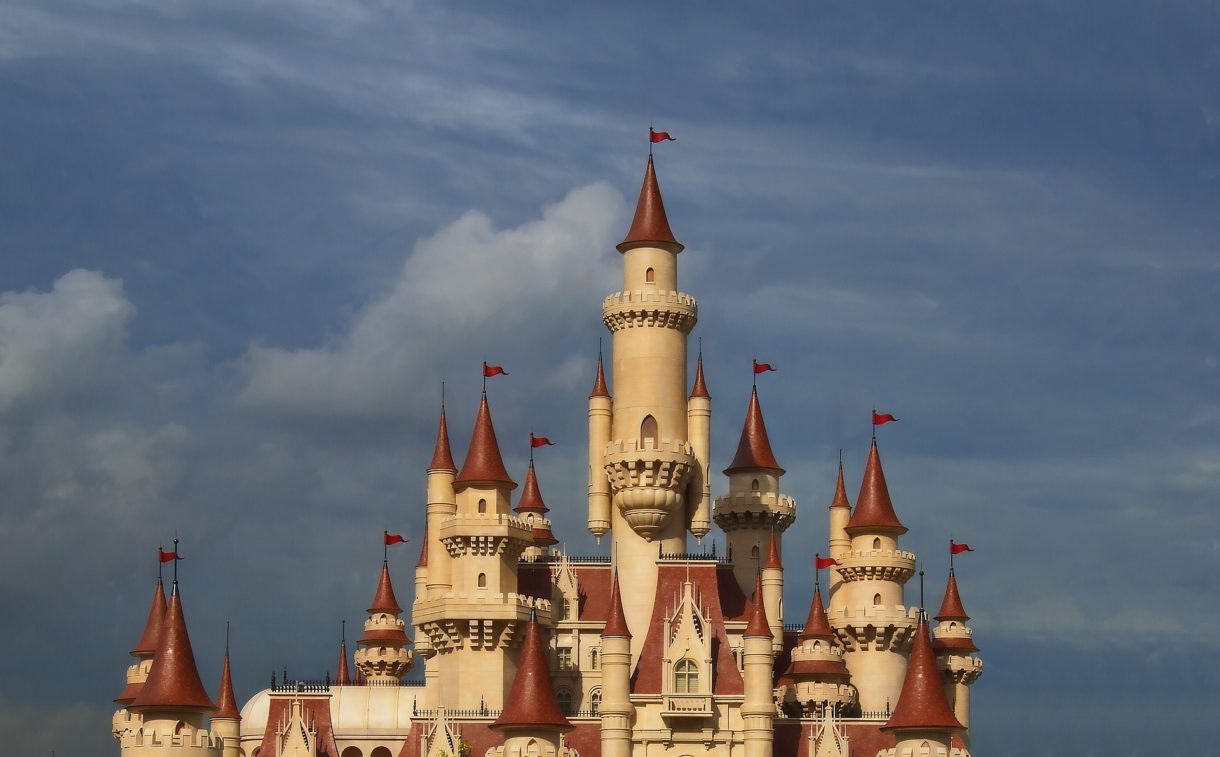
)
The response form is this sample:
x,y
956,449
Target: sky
x,y
242,244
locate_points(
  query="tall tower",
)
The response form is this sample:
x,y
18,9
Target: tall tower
x,y
953,642
868,612
648,460
758,704
753,508
616,708
840,542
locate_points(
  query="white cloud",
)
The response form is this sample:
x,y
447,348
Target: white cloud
x,y
469,290
57,341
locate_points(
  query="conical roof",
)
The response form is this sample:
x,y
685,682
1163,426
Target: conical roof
x,y
817,626
758,625
423,549
543,536
700,387
384,600
951,608
531,495
922,703
531,702
754,447
616,624
226,703
442,455
650,225
840,498
152,627
599,382
874,512
772,562
484,465
342,677
173,682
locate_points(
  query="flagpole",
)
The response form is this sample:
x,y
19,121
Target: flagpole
x,y
385,547
175,561
753,363
874,420
921,593
950,555
160,563
650,140
484,377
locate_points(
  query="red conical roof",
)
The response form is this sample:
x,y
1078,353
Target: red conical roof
x,y
700,388
758,625
423,549
754,448
772,561
616,624
226,703
874,512
483,462
817,626
543,536
442,455
531,496
342,677
531,702
152,627
173,682
951,608
384,600
840,498
922,703
650,225
599,383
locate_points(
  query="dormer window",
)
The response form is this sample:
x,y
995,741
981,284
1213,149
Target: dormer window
x,y
686,677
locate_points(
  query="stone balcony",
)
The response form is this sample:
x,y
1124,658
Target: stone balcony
x,y
649,480
753,510
687,706
637,308
877,565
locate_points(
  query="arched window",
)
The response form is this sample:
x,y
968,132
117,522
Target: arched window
x,y
382,652
754,485
953,626
925,750
381,752
352,751
567,609
565,701
877,543
482,506
876,600
595,701
650,276
594,654
648,433
686,677
532,749
482,580
754,551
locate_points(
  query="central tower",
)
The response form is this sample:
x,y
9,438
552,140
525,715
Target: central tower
x,y
646,472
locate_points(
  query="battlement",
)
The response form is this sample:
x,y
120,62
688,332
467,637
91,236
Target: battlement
x,y
877,564
637,308
874,615
462,606
164,737
752,509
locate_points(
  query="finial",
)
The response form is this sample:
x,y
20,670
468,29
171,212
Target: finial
x,y
226,638
442,395
343,632
175,561
921,613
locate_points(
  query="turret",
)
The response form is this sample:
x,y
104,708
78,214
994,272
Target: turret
x,y
342,676
699,425
137,672
817,670
532,719
616,708
754,506
840,542
874,625
531,508
758,706
953,643
601,407
383,652
442,503
421,565
922,718
226,721
773,592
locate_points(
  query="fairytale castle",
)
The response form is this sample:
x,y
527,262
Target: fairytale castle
x,y
648,651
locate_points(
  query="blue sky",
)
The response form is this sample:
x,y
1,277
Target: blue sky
x,y
230,232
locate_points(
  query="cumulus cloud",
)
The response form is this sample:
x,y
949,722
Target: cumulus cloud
x,y
467,290
57,341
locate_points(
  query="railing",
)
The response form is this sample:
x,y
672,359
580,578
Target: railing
x,y
708,555
479,712
317,686
798,627
575,560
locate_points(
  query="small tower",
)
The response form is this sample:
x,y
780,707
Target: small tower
x,y
923,722
616,709
953,643
872,621
532,721
817,670
758,706
533,510
226,721
342,676
601,409
442,504
773,592
383,652
840,542
754,506
137,672
699,429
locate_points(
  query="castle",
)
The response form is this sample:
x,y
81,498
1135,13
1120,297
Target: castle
x,y
648,651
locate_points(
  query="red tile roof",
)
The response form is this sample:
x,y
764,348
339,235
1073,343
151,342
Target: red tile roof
x,y
754,447
278,711
442,455
173,682
758,625
384,600
226,703
922,703
817,626
772,562
951,608
874,511
531,495
700,388
840,498
531,702
342,677
423,549
483,465
599,383
616,624
650,225
152,627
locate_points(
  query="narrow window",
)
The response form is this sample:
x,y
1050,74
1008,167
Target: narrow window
x,y
565,701
877,543
648,433
565,658
686,677
754,552
482,580
953,626
595,701
567,609
482,506
650,276
754,485
593,655
876,600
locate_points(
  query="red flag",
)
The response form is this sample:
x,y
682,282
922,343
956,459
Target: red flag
x,y
882,418
168,556
957,549
659,136
762,367
394,539
824,562
540,441
493,370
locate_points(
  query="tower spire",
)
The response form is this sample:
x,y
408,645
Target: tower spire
x,y
922,704
599,381
650,225
226,703
442,454
484,464
754,447
173,683
531,702
874,510
700,387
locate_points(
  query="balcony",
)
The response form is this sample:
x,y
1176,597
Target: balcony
x,y
687,706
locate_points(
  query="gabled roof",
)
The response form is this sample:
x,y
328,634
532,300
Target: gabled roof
x,y
384,600
442,455
599,382
531,495
483,465
922,703
772,562
758,625
951,608
840,498
616,624
531,702
700,387
226,703
152,627
754,447
817,626
874,511
173,683
650,226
